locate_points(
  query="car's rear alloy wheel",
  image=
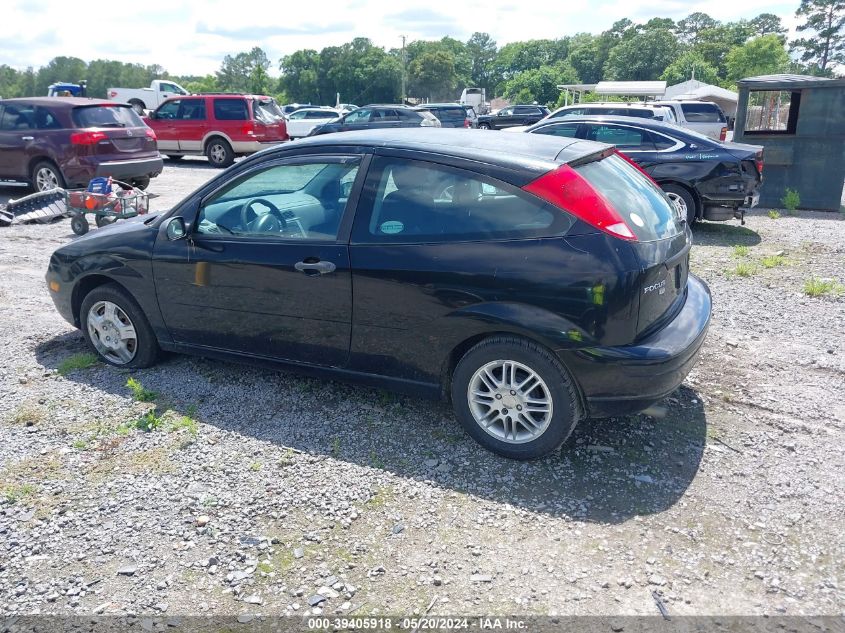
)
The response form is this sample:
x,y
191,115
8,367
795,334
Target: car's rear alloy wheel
x,y
116,328
219,153
510,401
483,126
46,176
514,397
683,201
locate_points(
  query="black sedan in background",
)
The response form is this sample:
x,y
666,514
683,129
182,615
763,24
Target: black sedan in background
x,y
512,116
705,178
533,281
377,117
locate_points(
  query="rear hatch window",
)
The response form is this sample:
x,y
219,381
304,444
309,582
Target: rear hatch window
x,y
703,113
641,203
662,247
450,115
106,116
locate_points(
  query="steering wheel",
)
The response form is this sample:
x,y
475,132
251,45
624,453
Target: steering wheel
x,y
266,222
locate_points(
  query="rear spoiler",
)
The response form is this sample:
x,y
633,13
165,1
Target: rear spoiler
x,y
582,152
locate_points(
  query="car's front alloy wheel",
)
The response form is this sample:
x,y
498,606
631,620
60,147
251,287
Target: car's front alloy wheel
x,y
514,397
116,329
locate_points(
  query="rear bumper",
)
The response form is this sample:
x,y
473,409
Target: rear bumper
x,y
250,147
627,379
128,169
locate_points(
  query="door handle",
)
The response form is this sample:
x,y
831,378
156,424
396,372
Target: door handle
x,y
320,267
27,138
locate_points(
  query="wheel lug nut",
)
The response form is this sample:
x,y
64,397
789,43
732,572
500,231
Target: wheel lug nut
x,y
519,407
505,411
498,396
513,393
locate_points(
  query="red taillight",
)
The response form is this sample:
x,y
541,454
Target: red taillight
x,y
151,134
631,161
87,138
467,123
248,129
723,134
566,188
758,160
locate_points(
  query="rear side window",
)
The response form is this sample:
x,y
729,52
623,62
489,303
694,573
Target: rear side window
x,y
413,201
230,110
641,203
106,116
643,114
623,137
702,113
192,110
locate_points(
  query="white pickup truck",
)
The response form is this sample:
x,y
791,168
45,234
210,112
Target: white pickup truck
x,y
146,98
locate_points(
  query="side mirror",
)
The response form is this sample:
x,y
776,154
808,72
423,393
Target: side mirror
x,y
151,115
176,229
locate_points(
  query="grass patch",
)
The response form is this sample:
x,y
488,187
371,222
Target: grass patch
x,y
773,214
773,261
287,457
376,461
381,497
744,269
76,362
28,415
740,251
81,445
139,393
15,493
255,466
815,287
184,423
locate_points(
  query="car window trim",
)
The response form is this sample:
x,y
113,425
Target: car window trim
x,y
344,227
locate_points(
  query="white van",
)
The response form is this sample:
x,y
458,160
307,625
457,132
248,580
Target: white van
x,y
704,117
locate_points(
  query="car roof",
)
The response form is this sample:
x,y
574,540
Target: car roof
x,y
61,102
507,150
438,105
385,105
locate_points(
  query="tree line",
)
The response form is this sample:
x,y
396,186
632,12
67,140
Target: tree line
x,y
360,72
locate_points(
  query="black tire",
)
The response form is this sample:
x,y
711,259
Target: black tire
x,y
138,105
141,183
219,153
565,404
687,197
175,157
79,224
104,220
146,347
45,176
484,126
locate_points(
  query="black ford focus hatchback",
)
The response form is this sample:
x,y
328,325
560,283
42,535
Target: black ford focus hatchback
x,y
534,281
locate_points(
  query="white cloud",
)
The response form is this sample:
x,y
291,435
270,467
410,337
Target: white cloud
x,y
191,37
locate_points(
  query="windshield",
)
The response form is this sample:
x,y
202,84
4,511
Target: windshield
x,y
106,116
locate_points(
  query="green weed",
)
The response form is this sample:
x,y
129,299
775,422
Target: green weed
x,y
815,287
744,269
740,251
773,261
139,393
791,201
75,363
147,422
773,214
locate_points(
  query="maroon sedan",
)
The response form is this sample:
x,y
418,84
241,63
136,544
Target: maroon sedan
x,y
51,142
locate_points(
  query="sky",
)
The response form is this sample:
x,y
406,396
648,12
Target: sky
x,y
192,37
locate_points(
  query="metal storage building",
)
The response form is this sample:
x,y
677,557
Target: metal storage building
x,y
800,121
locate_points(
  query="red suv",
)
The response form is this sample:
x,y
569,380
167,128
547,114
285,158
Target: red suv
x,y
51,142
221,126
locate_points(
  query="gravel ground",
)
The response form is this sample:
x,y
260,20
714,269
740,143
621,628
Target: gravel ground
x,y
266,493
